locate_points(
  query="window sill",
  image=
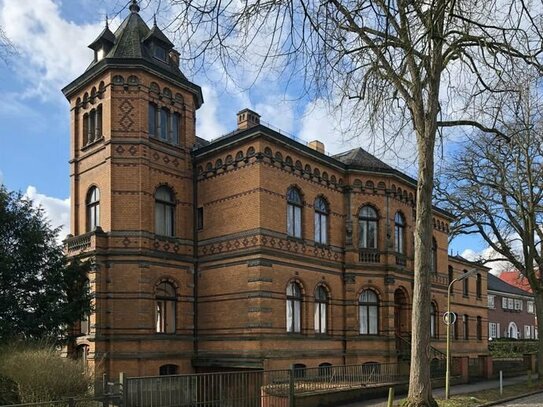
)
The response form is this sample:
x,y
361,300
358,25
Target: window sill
x,y
322,245
295,239
157,139
92,144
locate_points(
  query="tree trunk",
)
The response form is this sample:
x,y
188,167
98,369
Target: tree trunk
x,y
538,296
420,387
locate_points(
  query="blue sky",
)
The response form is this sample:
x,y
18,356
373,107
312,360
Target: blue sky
x,y
51,37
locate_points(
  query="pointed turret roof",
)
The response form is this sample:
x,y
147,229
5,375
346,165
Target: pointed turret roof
x,y
131,46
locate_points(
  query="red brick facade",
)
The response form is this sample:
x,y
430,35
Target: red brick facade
x,y
231,259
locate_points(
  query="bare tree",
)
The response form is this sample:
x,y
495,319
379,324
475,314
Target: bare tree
x,y
403,67
496,190
7,49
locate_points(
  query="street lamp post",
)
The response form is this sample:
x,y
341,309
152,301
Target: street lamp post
x,y
448,322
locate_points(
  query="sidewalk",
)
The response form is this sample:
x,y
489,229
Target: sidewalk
x,y
440,393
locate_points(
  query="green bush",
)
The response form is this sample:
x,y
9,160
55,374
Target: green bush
x,y
33,373
507,347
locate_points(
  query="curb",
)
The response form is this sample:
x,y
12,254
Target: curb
x,y
505,400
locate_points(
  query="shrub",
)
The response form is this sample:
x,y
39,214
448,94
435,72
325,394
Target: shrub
x,y
40,373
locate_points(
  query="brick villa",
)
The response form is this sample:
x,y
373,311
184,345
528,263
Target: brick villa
x,y
253,251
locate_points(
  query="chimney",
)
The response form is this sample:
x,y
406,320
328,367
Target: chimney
x,y
247,119
316,145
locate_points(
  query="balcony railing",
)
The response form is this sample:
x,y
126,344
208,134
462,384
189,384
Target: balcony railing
x,y
369,256
78,243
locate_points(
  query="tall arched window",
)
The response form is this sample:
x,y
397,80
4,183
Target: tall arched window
x,y
451,275
164,211
294,213
176,126
465,286
85,129
294,305
153,120
321,302
433,320
479,286
165,307
434,256
164,123
399,233
93,208
321,221
369,312
367,219
465,323
479,328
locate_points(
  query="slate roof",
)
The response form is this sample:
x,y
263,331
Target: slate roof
x,y
496,284
360,158
131,47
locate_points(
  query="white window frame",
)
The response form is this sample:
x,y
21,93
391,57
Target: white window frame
x,y
491,303
530,307
504,302
492,330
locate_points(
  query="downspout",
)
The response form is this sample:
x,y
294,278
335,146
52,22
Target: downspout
x,y
195,252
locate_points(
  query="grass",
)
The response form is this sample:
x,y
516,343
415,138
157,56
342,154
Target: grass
x,y
485,396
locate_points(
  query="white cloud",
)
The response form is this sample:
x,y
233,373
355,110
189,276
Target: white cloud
x,y
56,210
52,50
496,267
208,125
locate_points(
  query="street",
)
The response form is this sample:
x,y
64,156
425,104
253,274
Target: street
x,y
535,400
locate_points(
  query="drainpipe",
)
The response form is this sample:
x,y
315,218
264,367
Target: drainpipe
x,y
195,252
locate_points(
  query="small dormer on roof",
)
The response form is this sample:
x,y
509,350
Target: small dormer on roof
x,y
159,45
103,43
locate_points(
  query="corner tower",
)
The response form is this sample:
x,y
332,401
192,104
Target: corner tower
x,y
132,130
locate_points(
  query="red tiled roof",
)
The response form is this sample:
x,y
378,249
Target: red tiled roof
x,y
516,279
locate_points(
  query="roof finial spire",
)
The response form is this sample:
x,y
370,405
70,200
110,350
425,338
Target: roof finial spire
x,y
154,19
107,21
134,7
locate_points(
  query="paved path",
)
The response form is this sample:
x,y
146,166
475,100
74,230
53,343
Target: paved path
x,y
458,389
531,401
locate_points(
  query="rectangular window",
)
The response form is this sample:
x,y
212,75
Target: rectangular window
x,y
504,303
530,306
498,333
200,218
527,332
160,53
510,303
492,330
491,302
518,305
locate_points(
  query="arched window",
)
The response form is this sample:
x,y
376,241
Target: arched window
x,y
479,328
294,305
369,312
325,369
85,129
164,211
451,275
434,256
299,370
92,125
433,320
465,286
479,286
294,213
321,221
465,322
93,209
321,302
166,370
98,126
399,233
165,308
367,219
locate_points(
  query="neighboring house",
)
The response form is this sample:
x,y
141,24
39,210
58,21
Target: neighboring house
x,y
516,279
253,251
511,311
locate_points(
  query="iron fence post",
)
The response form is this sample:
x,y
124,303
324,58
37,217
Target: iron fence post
x,y
291,392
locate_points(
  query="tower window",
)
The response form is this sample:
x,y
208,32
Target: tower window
x,y
164,211
321,221
321,301
93,209
294,305
163,124
368,304
160,53
294,213
165,308
399,233
367,219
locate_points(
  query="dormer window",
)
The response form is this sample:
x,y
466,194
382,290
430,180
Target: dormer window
x,y
160,53
100,54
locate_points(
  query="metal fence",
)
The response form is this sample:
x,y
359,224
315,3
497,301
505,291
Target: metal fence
x,y
277,388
